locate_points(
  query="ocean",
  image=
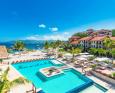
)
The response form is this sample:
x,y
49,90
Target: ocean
x,y
28,45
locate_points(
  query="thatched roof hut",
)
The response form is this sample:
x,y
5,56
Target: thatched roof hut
x,y
3,52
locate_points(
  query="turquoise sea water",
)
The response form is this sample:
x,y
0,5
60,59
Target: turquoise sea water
x,y
62,83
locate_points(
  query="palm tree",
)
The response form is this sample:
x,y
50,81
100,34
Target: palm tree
x,y
113,54
6,85
101,51
58,44
113,44
19,45
61,51
93,51
55,46
74,51
46,46
66,46
107,43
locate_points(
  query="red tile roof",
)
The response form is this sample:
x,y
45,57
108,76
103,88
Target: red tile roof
x,y
74,42
85,38
112,38
98,38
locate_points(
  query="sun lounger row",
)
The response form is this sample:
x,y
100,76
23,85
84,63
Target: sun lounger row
x,y
28,60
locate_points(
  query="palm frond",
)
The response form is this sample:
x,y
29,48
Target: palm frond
x,y
4,75
19,80
4,86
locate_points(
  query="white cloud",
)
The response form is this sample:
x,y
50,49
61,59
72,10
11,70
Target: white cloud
x,y
59,36
34,37
53,29
66,33
53,37
42,26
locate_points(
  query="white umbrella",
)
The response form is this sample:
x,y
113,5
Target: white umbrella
x,y
84,53
68,55
102,59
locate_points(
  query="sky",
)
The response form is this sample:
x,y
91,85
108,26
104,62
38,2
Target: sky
x,y
53,19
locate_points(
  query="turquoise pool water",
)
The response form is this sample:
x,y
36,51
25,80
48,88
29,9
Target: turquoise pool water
x,y
63,83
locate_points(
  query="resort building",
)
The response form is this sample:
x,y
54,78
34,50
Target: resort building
x,y
90,41
97,42
74,40
102,32
3,52
84,42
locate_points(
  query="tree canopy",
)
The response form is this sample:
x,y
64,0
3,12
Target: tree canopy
x,y
113,32
19,45
80,34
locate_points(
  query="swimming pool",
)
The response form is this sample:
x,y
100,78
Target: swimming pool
x,y
68,82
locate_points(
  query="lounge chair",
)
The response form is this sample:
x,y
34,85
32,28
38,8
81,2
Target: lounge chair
x,y
102,68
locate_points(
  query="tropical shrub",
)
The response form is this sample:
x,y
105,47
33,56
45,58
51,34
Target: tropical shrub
x,y
1,60
113,52
113,74
93,51
113,32
91,58
93,66
106,61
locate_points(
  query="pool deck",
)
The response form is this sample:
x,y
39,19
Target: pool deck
x,y
111,88
14,74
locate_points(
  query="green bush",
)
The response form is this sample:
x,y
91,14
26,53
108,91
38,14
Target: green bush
x,y
113,74
93,66
106,61
80,34
113,32
91,58
1,60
